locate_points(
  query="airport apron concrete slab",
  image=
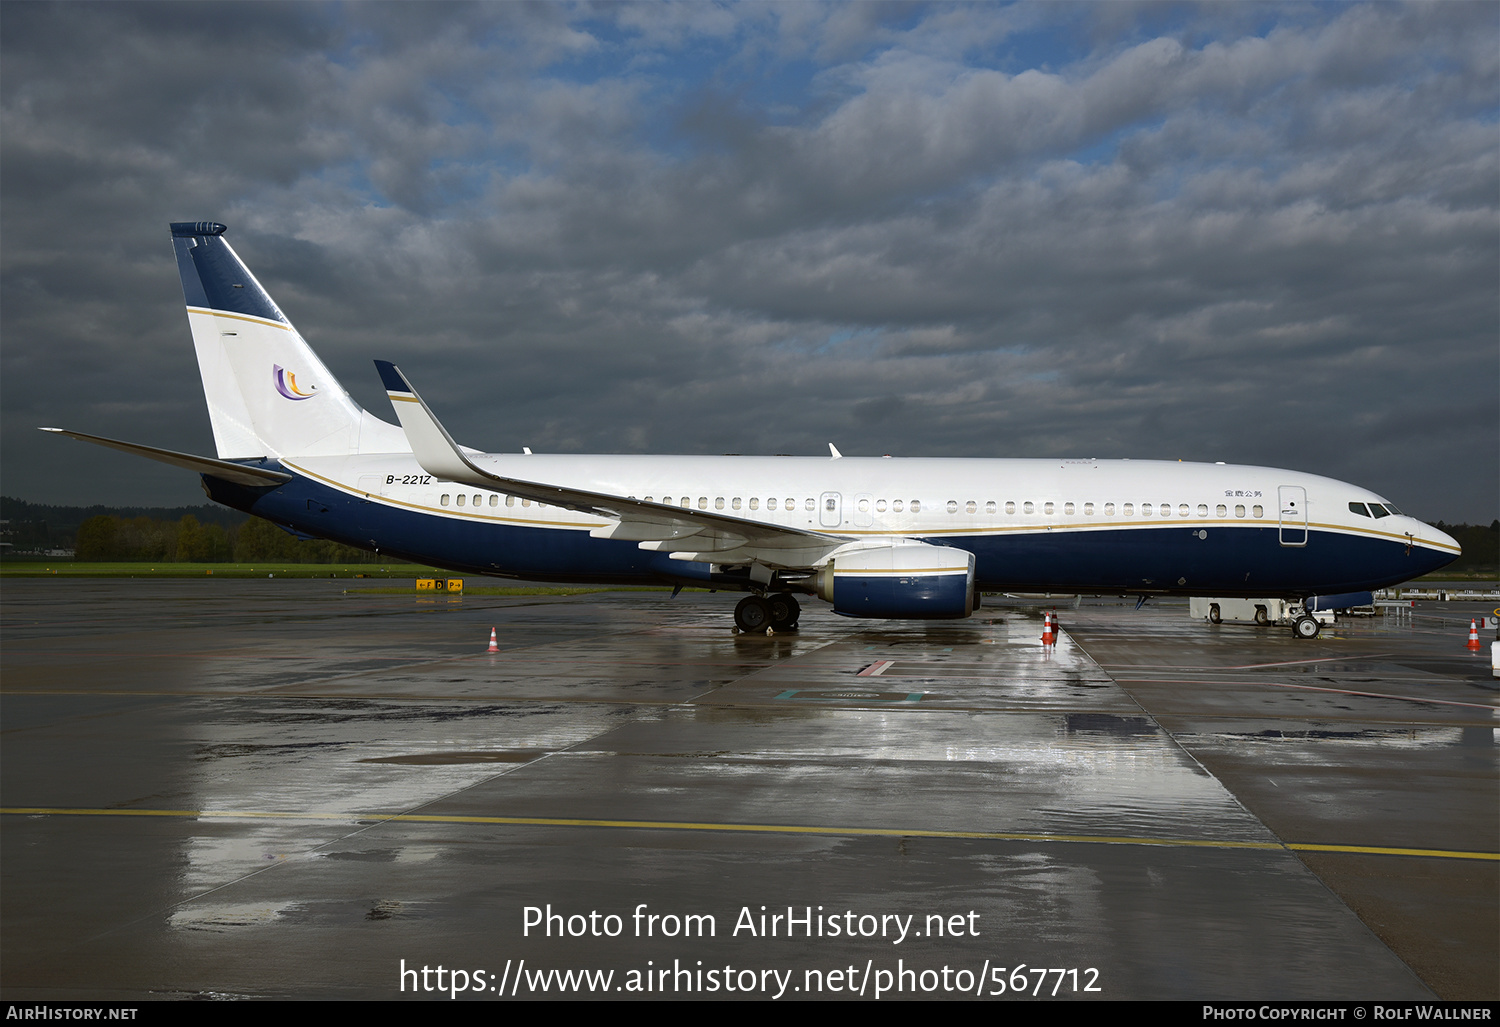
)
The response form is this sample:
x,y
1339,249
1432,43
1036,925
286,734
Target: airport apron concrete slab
x,y
277,788
1380,734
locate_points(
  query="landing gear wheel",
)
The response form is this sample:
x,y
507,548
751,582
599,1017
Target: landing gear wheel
x,y
753,615
1262,618
1306,627
784,611
1214,616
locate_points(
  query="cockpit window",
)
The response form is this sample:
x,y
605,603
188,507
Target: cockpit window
x,y
1393,510
1378,510
1359,508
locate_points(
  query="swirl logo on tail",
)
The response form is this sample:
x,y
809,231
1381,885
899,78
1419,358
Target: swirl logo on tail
x,y
286,384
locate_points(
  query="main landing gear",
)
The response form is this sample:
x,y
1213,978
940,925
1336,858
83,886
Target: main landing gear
x,y
778,612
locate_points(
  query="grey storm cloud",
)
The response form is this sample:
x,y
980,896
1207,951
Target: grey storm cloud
x,y
1256,233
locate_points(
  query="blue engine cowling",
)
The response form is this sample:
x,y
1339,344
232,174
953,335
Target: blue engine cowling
x,y
901,580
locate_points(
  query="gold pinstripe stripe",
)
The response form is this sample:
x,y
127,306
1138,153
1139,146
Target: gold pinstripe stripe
x,y
241,317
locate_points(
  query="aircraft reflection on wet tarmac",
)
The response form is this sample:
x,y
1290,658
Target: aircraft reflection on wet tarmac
x,y
284,789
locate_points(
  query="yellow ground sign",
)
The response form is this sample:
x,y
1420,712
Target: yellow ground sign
x,y
440,584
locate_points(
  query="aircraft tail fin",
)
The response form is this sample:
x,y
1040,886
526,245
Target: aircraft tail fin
x,y
268,393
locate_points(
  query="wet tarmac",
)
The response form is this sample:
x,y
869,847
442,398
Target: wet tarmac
x,y
286,788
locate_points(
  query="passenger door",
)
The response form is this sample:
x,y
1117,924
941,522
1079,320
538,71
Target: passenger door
x,y
1292,501
830,510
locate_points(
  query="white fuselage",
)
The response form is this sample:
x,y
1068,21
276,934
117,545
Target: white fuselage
x,y
871,497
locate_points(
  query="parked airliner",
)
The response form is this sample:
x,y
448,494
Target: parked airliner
x,y
875,537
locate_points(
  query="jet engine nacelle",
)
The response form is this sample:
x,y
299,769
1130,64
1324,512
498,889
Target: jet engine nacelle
x,y
902,579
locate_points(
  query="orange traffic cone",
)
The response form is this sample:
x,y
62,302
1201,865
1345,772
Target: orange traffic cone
x,y
1473,635
1047,637
493,647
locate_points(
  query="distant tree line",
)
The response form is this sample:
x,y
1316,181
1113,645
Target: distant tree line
x,y
108,539
1481,547
184,534
35,528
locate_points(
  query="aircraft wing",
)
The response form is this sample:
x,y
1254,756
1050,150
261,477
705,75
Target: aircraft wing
x,y
255,477
685,533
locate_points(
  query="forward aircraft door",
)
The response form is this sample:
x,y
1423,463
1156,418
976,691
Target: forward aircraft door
x,y
1293,504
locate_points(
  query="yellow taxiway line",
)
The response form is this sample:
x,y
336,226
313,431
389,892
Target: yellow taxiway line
x,y
676,825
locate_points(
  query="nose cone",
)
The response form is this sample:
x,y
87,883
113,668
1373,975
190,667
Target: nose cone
x,y
1442,538
1440,548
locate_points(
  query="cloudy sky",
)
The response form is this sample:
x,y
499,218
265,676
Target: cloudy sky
x,y
1262,234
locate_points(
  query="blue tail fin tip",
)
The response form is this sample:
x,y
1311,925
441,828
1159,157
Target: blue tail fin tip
x,y
391,377
213,277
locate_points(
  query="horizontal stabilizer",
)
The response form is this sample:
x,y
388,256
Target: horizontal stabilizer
x,y
254,477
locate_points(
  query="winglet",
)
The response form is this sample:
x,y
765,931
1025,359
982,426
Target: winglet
x,y
430,442
834,451
392,378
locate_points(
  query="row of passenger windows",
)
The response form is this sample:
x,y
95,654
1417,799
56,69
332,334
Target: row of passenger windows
x,y
1108,509
479,499
915,506
686,502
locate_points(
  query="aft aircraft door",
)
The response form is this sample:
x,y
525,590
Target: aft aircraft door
x,y
830,510
1293,505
